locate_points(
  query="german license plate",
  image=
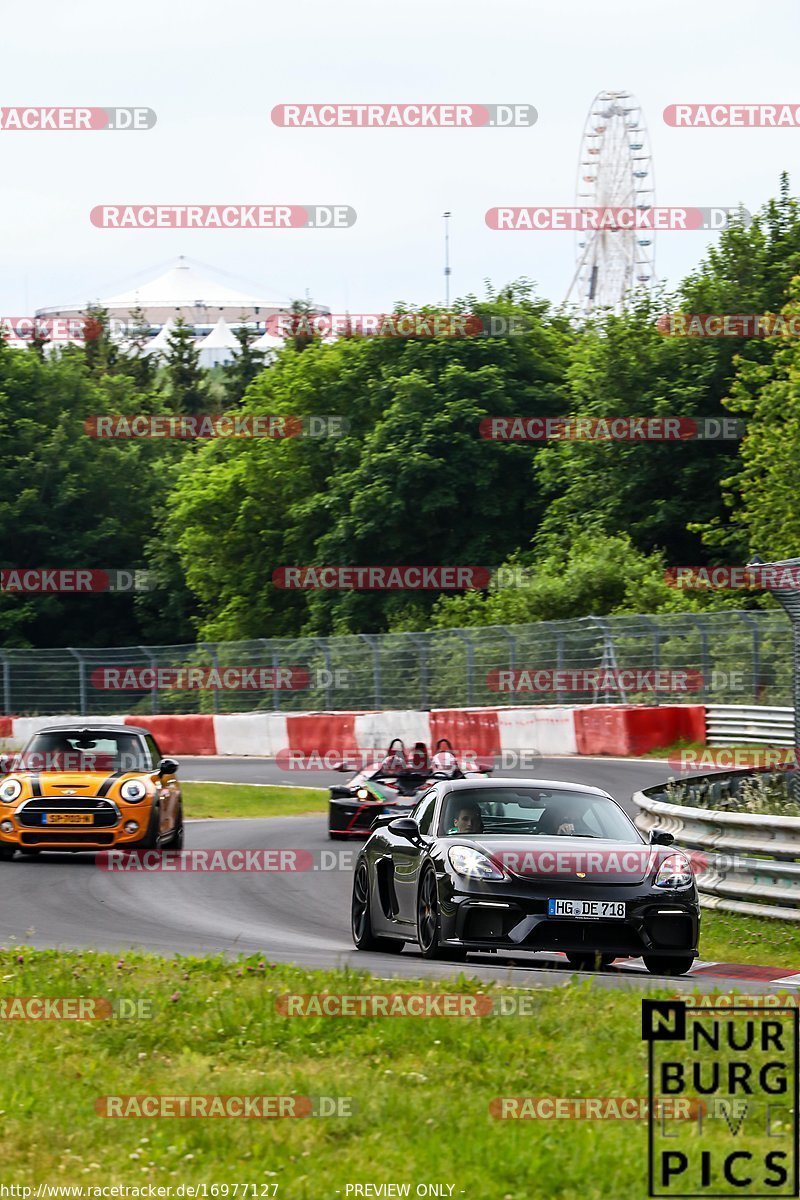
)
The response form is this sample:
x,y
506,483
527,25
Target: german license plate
x,y
67,818
586,908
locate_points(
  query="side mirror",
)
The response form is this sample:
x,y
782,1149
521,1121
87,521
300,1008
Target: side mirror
x,y
660,837
405,827
168,766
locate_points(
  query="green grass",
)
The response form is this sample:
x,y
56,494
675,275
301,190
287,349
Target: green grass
x,y
421,1087
729,937
246,800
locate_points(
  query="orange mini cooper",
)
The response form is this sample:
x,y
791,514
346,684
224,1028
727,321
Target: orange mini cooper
x,y
89,789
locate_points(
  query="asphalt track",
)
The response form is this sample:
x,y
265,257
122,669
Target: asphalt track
x,y
300,916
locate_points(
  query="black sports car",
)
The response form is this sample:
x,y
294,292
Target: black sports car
x,y
511,865
392,785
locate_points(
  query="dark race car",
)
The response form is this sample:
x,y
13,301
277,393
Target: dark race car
x,y
513,865
392,786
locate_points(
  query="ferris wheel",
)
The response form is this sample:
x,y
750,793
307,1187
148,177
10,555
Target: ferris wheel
x,y
615,170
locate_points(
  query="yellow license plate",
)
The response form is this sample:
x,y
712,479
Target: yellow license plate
x,y
69,818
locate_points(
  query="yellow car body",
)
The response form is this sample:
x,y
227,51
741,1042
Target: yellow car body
x,y
73,789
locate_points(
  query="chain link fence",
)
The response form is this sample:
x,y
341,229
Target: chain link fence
x,y
731,657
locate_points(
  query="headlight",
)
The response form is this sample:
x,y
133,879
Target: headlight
x,y
467,861
133,790
362,794
10,790
675,872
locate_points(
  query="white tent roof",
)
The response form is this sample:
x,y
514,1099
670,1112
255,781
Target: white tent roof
x,y
159,344
182,290
182,287
268,341
221,337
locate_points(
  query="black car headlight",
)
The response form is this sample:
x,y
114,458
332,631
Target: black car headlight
x,y
10,790
674,872
467,861
132,791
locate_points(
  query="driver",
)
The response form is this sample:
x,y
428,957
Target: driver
x,y
567,824
467,818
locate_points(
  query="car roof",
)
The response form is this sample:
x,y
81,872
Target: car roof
x,y
76,727
460,785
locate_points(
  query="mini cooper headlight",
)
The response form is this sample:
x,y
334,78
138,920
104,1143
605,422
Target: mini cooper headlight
x,y
10,790
133,790
470,862
675,872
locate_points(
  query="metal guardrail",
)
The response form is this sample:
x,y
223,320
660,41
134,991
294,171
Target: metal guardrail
x,y
739,657
734,724
752,865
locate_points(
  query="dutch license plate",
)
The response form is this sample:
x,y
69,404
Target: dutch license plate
x,y
68,818
586,908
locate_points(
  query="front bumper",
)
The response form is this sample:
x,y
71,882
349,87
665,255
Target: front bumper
x,y
30,828
505,917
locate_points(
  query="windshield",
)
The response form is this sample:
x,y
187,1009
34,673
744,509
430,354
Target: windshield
x,y
527,810
76,750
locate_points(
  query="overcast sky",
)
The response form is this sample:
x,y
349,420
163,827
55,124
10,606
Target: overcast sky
x,y
213,72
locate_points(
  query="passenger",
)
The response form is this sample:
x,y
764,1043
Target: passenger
x,y
467,818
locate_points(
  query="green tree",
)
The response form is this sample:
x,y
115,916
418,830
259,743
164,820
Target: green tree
x,y
246,366
68,499
411,482
185,377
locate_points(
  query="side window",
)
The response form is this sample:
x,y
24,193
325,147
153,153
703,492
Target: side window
x,y
423,813
155,753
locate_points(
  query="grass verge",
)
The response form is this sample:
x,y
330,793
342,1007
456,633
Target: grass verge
x,y
421,1088
244,800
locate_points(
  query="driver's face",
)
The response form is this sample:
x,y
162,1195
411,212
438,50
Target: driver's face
x,y
468,821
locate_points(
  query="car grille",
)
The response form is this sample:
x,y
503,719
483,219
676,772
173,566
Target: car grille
x,y
66,836
30,816
595,935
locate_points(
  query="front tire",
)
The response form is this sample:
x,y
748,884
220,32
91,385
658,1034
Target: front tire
x,y
361,918
177,839
674,964
428,922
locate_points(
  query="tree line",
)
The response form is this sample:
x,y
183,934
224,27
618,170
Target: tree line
x,y
582,526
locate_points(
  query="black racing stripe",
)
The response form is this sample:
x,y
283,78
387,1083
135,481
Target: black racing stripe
x,y
36,786
107,784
